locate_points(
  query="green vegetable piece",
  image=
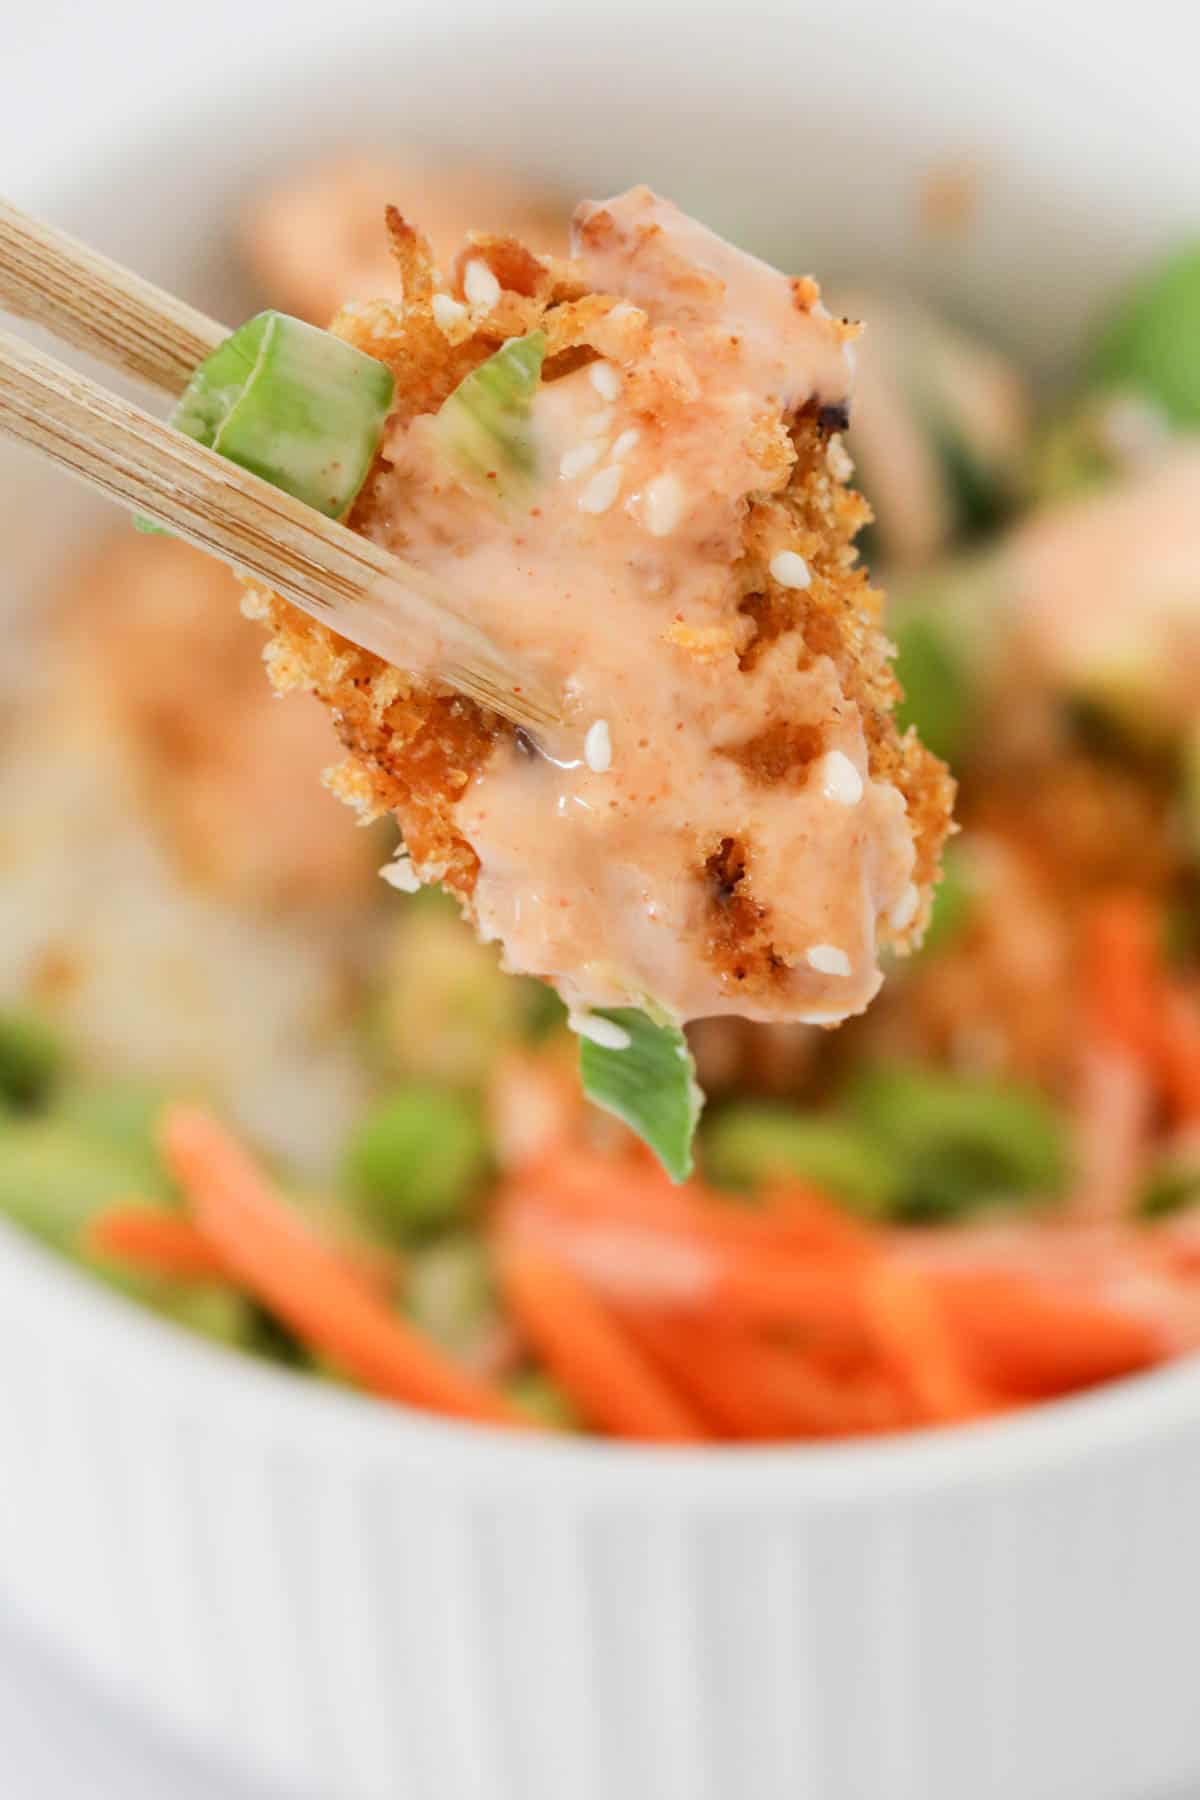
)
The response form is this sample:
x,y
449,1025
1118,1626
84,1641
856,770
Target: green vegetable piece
x,y
417,1161
293,404
31,1058
119,1115
52,1179
961,1141
485,426
650,1083
750,1141
1151,343
937,688
449,1292
542,1398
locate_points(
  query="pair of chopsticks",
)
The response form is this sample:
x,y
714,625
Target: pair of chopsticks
x,y
358,589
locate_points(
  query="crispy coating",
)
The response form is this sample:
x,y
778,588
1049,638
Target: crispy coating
x,y
413,748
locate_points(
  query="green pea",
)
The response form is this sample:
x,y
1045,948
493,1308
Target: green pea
x,y
417,1161
1150,344
749,1141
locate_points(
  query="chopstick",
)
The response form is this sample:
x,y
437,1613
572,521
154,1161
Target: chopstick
x,y
344,580
355,587
88,300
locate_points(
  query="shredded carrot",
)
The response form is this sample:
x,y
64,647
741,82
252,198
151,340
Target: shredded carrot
x,y
1029,1338
1179,1053
275,1255
1121,970
916,1341
160,1243
589,1354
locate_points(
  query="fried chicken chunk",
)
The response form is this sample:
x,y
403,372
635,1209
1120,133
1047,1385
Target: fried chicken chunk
x,y
729,821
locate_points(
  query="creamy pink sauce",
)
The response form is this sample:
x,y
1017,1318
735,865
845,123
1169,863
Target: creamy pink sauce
x,y
591,861
1107,591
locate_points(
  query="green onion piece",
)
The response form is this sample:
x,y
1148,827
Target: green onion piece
x,y
752,1141
650,1084
1151,344
32,1059
293,404
485,427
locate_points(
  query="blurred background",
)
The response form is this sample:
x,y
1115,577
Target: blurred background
x,y
1011,199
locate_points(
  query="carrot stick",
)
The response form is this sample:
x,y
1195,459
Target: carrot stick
x,y
160,1243
1121,967
916,1340
752,1389
1030,1339
170,1245
586,1350
1179,1053
272,1253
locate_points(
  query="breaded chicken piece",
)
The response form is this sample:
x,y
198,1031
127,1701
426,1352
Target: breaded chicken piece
x,y
731,822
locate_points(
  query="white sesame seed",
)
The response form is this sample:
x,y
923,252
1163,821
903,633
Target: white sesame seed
x,y
790,570
600,491
662,505
827,959
480,285
597,424
401,874
627,441
905,909
605,379
447,311
605,1032
838,461
579,460
839,779
597,748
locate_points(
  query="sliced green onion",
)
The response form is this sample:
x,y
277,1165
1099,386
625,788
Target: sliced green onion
x,y
650,1083
296,405
485,426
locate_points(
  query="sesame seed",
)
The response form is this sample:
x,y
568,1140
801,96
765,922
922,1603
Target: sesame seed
x,y
447,311
839,779
605,379
579,460
837,460
827,959
605,1032
597,748
790,570
905,909
600,491
627,441
662,506
480,285
401,874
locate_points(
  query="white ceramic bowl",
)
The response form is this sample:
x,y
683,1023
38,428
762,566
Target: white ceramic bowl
x,y
373,1606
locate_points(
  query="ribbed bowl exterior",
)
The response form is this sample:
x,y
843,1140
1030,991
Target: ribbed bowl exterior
x,y
370,1607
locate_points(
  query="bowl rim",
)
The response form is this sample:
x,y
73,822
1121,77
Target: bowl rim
x,y
186,1375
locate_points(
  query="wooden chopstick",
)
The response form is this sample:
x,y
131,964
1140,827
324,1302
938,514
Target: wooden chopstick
x,y
88,300
359,590
346,581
